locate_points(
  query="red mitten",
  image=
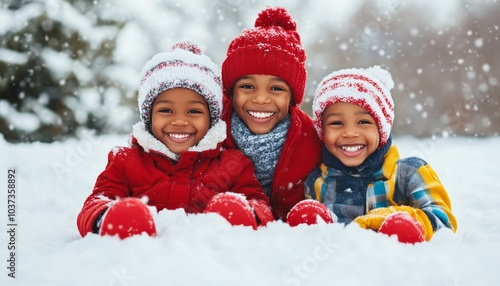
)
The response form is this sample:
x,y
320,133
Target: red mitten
x,y
233,207
408,229
307,211
262,211
127,217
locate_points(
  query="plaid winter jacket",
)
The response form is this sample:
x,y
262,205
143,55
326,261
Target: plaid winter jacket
x,y
409,181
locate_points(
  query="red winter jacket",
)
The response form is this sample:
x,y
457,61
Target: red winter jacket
x,y
189,181
300,154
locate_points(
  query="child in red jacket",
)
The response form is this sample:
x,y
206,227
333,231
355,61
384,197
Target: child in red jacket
x,y
175,158
264,77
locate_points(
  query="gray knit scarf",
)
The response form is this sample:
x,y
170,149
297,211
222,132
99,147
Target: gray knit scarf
x,y
263,149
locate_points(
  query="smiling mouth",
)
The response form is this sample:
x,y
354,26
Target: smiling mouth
x,y
352,148
260,115
179,136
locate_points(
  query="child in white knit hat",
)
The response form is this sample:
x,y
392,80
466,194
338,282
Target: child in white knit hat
x,y
362,177
175,159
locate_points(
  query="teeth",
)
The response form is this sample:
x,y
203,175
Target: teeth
x,y
261,114
352,148
179,136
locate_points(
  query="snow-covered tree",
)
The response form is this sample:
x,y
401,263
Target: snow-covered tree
x,y
56,69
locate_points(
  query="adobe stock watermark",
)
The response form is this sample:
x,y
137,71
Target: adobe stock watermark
x,y
76,154
12,227
453,283
120,277
322,252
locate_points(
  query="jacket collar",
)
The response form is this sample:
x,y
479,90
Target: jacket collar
x,y
215,135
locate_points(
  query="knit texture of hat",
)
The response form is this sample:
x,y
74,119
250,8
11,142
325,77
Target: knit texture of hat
x,y
184,67
273,47
369,88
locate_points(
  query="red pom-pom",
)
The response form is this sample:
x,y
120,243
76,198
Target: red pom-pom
x,y
187,46
276,16
307,211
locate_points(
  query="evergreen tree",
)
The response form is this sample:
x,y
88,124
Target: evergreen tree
x,y
53,56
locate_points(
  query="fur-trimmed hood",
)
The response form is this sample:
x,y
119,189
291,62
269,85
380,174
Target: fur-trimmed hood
x,y
211,141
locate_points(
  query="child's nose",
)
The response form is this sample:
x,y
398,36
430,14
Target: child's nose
x,y
261,97
350,132
179,121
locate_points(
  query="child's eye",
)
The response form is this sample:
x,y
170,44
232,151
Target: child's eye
x,y
165,110
364,121
338,123
195,111
245,86
277,88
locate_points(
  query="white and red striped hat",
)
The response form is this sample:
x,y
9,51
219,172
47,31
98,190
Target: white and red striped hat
x,y
184,67
369,88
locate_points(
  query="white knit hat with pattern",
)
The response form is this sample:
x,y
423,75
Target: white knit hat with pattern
x,y
184,67
369,88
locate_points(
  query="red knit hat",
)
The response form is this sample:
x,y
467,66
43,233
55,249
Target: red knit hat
x,y
272,48
369,88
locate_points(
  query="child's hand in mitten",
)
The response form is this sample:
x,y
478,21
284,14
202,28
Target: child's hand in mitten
x,y
262,212
394,220
127,217
307,212
374,218
233,207
404,226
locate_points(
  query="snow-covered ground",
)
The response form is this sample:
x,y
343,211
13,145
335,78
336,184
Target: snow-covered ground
x,y
52,181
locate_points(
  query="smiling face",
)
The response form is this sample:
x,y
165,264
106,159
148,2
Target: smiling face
x,y
350,133
261,101
180,118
